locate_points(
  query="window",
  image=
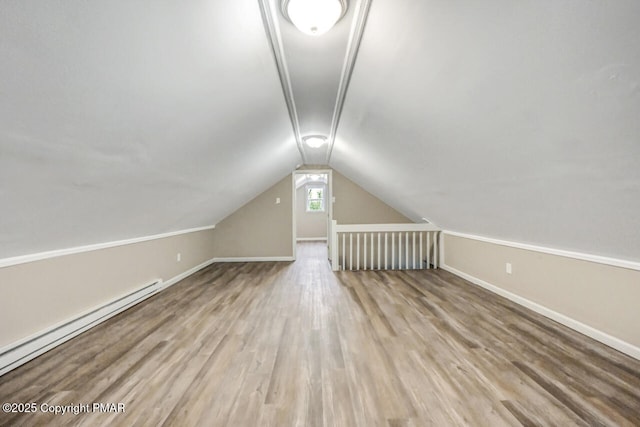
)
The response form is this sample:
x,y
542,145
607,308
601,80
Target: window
x,y
315,199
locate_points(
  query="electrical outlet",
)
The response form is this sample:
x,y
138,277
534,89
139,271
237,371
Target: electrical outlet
x,y
179,257
277,200
508,268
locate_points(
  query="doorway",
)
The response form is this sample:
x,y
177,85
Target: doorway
x,y
312,207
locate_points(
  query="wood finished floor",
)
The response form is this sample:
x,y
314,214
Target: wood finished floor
x,y
284,344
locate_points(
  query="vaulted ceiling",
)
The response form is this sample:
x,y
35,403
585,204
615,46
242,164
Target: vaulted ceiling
x,y
514,120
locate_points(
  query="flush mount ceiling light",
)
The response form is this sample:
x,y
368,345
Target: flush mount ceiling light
x,y
315,141
314,17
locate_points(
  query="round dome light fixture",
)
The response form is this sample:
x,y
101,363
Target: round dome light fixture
x,y
315,141
314,17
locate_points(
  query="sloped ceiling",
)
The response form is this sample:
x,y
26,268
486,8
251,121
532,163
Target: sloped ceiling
x,y
122,118
315,72
513,120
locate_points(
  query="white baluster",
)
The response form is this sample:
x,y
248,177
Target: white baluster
x,y
372,251
335,261
393,251
406,252
358,251
400,251
421,249
386,249
435,250
379,251
350,251
364,239
428,250
344,253
413,254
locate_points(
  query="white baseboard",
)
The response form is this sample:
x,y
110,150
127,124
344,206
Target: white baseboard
x,y
26,349
255,259
311,239
584,329
186,274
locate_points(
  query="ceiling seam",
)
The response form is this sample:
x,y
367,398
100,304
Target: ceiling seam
x,y
275,41
355,39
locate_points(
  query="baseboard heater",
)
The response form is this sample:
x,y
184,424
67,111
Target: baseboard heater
x,y
19,353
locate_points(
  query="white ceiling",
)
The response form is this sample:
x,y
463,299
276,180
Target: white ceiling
x,y
121,119
514,120
310,178
315,73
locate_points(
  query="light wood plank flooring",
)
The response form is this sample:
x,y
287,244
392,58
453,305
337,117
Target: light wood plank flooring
x,y
284,344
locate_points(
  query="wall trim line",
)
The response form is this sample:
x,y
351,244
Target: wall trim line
x,y
567,321
28,348
353,46
311,239
23,259
631,265
269,12
255,259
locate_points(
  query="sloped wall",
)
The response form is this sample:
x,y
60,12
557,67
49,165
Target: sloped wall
x,y
355,205
515,120
260,228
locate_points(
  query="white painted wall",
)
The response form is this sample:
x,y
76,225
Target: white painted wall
x,y
123,119
514,120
